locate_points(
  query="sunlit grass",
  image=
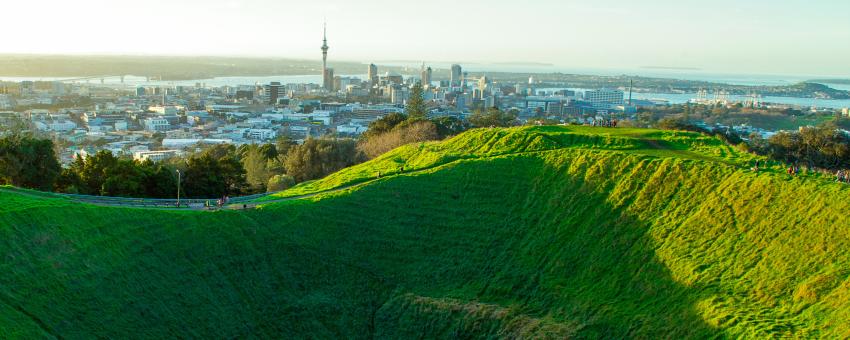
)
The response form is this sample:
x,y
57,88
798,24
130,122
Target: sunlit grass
x,y
546,232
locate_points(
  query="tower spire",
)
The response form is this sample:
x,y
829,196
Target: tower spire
x,y
326,83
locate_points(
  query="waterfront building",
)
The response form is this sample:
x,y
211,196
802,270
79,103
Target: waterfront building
x,y
604,98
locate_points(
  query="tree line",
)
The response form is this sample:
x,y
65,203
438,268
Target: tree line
x,y
826,146
215,171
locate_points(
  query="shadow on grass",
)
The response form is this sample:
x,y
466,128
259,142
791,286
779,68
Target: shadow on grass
x,y
504,247
511,247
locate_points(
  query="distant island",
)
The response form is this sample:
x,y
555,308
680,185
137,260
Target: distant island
x,y
831,81
671,68
531,63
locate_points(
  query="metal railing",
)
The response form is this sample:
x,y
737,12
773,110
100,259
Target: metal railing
x,y
144,202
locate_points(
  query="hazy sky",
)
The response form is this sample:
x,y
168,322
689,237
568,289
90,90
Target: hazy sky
x,y
753,36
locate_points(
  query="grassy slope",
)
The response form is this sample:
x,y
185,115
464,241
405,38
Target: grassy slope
x,y
612,233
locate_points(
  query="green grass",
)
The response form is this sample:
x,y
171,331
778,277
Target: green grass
x,y
545,232
485,143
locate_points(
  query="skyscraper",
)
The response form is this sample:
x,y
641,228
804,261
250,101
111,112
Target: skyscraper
x,y
426,76
456,75
326,82
272,92
329,73
483,83
373,74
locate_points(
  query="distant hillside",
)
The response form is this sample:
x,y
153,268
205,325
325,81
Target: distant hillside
x,y
167,68
543,232
831,81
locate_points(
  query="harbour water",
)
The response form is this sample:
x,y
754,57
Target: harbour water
x,y
673,98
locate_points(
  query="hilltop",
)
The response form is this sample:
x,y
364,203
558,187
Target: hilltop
x,y
536,232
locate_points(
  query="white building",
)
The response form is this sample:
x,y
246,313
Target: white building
x,y
237,115
155,156
157,124
350,128
138,148
164,110
261,134
845,112
258,122
604,99
56,125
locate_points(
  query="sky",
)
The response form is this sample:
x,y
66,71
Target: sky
x,y
743,36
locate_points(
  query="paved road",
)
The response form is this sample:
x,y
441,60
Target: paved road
x,y
236,203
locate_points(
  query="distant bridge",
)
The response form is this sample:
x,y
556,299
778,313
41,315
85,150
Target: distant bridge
x,y
102,78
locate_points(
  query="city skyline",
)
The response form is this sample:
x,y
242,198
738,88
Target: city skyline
x,y
756,37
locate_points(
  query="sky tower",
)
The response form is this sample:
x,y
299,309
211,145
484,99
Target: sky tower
x,y
325,81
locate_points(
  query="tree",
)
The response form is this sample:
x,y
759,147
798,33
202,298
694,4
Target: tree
x,y
283,144
124,179
69,180
449,126
160,181
280,182
215,172
317,158
416,108
28,162
385,124
94,172
256,163
823,147
493,117
414,132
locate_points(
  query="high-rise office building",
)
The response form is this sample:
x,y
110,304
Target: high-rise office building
x,y
426,75
483,83
329,79
373,74
394,78
457,73
272,92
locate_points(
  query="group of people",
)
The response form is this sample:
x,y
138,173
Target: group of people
x,y
604,122
218,203
400,170
842,176
793,169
